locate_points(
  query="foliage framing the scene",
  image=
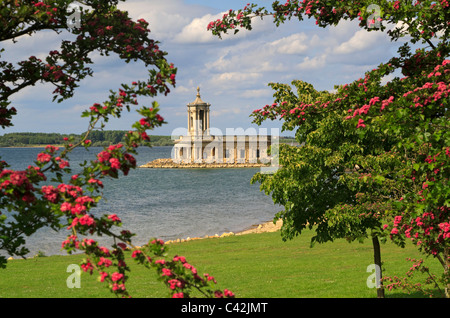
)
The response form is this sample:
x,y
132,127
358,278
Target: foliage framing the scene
x,y
47,193
375,156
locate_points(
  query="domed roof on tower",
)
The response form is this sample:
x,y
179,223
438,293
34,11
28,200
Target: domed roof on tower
x,y
198,100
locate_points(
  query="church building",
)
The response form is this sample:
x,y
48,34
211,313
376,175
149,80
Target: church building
x,y
203,144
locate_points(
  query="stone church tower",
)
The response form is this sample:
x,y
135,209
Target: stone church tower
x,y
199,146
198,117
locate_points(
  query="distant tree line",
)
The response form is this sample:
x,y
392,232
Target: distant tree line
x,y
99,138
288,140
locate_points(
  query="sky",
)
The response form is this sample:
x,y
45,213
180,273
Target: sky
x,y
233,73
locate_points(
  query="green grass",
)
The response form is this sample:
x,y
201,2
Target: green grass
x,y
252,266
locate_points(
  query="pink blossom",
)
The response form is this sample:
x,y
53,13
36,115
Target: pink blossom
x,y
64,164
92,180
88,242
18,178
445,227
387,102
44,157
103,156
104,250
65,206
159,118
115,163
103,275
166,272
84,199
77,209
114,218
104,262
360,123
182,259
396,5
135,253
86,220
116,277
50,193
122,245
158,241
175,283
87,267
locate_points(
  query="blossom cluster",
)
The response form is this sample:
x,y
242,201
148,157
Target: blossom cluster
x,y
326,13
178,274
19,185
434,91
385,141
69,198
406,283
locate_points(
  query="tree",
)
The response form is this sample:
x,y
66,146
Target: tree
x,y
31,202
374,156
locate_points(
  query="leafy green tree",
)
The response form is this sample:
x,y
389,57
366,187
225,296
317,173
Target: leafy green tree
x,y
375,156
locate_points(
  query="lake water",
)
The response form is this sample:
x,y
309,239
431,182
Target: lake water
x,y
164,203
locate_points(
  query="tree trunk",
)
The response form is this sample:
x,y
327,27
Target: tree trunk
x,y
446,270
377,260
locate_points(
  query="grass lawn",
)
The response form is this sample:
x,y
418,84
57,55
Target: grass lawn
x,y
252,266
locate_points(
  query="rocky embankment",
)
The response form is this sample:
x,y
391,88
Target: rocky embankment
x,y
168,163
261,228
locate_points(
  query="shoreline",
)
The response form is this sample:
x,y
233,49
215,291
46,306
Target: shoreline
x,y
167,163
265,227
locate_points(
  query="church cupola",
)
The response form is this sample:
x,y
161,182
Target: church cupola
x,y
198,116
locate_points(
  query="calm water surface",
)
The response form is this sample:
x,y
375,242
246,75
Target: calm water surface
x,y
164,203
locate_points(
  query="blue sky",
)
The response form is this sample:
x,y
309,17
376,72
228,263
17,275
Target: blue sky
x,y
232,73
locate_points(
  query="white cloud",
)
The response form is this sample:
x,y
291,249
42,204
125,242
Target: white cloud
x,y
196,32
293,44
166,18
316,41
223,111
253,93
183,89
32,95
221,64
269,66
235,77
361,40
231,72
231,110
39,45
312,63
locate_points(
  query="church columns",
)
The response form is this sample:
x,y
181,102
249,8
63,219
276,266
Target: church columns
x,y
207,123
